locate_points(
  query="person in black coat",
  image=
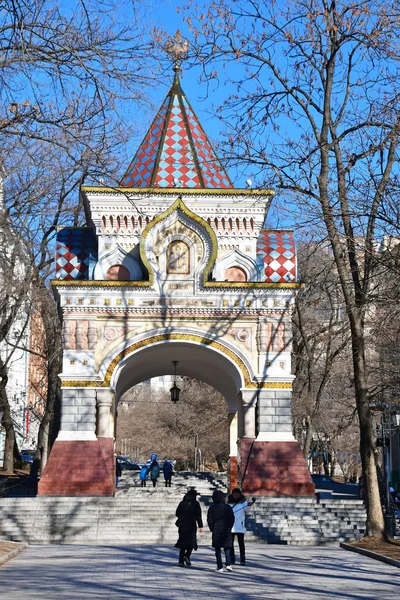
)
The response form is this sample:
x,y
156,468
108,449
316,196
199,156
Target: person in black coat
x,y
189,517
167,470
118,472
220,520
154,470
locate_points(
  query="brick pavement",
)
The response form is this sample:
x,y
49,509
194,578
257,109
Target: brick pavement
x,y
74,572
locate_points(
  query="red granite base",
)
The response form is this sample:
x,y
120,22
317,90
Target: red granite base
x,y
233,473
273,469
79,468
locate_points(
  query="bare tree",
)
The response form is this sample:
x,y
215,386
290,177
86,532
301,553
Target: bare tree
x,y
66,76
152,423
68,67
320,340
316,108
14,303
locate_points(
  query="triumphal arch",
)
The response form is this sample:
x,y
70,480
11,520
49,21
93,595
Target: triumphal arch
x,y
175,265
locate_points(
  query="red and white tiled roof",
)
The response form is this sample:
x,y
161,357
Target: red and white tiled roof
x,y
76,253
176,151
276,256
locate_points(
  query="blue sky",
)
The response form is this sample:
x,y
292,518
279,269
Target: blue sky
x,y
204,100
164,15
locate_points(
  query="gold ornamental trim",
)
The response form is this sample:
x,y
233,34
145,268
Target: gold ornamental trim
x,y
254,284
99,283
208,284
175,206
178,337
279,385
249,383
184,191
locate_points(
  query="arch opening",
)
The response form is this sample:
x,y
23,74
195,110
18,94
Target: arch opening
x,y
214,387
195,360
195,432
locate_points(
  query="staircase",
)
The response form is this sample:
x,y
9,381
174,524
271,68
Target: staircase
x,y
302,521
204,483
147,516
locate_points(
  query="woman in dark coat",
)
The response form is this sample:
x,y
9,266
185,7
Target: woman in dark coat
x,y
220,520
189,517
154,471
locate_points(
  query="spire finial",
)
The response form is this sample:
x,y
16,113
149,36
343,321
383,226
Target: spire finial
x,y
177,48
176,68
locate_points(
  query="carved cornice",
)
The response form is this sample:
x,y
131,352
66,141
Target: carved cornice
x,y
100,284
246,285
101,190
125,312
209,285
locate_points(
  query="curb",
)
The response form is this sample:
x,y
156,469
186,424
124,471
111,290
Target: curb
x,y
13,553
374,555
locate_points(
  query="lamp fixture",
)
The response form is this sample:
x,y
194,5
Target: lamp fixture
x,y
175,391
396,418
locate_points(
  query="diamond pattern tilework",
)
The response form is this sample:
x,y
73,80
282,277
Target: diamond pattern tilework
x,y
76,253
166,153
213,174
176,160
276,256
142,166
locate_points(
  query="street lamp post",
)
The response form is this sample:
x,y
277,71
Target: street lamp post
x,y
196,444
390,424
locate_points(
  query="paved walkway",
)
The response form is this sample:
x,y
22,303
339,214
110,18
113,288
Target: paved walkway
x,y
117,572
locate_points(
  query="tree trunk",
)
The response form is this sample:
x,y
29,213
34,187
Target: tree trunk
x,y
43,449
333,464
52,329
6,421
354,305
326,463
375,522
8,463
307,441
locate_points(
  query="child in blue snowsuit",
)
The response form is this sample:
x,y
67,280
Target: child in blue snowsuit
x,y
143,476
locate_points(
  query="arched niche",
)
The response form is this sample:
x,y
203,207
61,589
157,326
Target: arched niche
x,y
236,263
131,271
118,273
235,274
178,224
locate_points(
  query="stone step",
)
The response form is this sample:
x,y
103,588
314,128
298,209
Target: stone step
x,y
147,515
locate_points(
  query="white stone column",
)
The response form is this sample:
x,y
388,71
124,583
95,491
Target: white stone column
x,y
104,405
78,414
249,408
233,434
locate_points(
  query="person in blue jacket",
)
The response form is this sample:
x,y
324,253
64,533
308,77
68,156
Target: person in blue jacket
x,y
143,476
